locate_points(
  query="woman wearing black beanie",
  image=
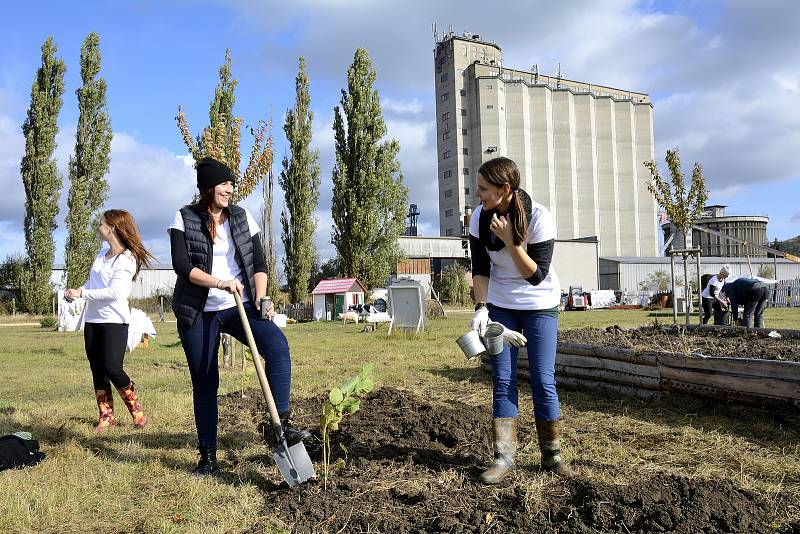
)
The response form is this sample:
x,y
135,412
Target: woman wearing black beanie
x,y
216,251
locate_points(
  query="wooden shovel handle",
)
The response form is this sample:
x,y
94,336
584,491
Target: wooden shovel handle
x,y
262,376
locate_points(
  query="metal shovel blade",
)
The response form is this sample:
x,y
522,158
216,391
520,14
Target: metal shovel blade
x,y
293,462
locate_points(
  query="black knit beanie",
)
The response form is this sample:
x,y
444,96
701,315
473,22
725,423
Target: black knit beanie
x,y
211,173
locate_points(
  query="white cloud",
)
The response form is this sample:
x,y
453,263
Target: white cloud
x,y
723,77
401,107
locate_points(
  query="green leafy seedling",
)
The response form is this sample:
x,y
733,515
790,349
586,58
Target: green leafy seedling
x,y
342,400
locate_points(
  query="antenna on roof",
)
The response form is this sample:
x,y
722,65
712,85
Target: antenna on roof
x,y
558,76
435,33
535,71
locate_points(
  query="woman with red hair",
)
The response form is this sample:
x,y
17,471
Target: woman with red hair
x,y
107,313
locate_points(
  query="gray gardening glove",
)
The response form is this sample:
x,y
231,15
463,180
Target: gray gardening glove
x,y
513,338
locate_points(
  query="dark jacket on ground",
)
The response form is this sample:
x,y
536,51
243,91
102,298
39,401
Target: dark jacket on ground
x,y
193,248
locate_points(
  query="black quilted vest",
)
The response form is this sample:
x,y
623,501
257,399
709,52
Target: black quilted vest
x,y
189,299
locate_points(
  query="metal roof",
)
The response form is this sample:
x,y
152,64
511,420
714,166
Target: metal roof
x,y
337,285
710,259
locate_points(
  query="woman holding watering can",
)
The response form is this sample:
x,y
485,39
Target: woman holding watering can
x,y
107,314
512,239
216,252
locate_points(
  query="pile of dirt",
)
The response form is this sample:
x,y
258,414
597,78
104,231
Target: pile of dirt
x,y
725,342
410,465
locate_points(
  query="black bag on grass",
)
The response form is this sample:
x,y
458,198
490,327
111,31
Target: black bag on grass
x,y
19,450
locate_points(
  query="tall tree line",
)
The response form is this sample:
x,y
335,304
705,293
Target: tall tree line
x,y
87,167
369,198
41,179
300,182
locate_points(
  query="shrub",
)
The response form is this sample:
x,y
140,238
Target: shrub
x,y
454,287
48,322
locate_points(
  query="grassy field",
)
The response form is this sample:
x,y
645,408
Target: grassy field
x,y
139,480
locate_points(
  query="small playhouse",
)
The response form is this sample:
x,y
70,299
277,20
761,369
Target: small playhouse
x,y
335,295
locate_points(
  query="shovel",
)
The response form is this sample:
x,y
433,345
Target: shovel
x,y
293,462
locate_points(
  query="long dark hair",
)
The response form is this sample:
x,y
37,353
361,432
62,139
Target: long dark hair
x,y
500,171
204,199
128,234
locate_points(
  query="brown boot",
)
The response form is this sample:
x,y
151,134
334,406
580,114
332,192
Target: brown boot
x,y
548,433
105,403
504,431
131,400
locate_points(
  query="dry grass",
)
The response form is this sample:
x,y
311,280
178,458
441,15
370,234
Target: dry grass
x,y
139,481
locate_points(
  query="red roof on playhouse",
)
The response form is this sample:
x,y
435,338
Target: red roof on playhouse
x,y
338,285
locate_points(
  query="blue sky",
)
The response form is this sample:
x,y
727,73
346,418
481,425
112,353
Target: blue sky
x,y
724,78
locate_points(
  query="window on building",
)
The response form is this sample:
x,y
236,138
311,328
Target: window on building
x,y
445,97
463,92
448,193
446,154
463,112
446,135
466,190
465,151
464,50
463,131
443,77
488,86
448,232
447,174
465,170
445,116
448,212
490,106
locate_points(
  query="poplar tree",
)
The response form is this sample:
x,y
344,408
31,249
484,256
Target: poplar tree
x,y
221,139
41,179
268,240
300,181
87,167
369,197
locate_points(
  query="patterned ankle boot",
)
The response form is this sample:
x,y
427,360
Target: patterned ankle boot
x,y
105,404
131,400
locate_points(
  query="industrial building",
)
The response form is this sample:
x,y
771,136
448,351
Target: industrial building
x,y
626,273
580,147
750,228
575,261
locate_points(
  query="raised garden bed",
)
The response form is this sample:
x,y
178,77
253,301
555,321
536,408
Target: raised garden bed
x,y
752,366
412,465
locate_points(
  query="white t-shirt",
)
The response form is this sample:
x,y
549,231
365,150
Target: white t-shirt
x,y
713,281
507,288
108,288
223,265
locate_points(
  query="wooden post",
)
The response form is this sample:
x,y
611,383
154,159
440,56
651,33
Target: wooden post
x,y
699,292
674,295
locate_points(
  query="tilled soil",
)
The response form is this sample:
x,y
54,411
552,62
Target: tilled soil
x,y
409,465
725,342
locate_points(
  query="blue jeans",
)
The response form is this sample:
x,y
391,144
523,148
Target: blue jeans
x,y
201,345
541,331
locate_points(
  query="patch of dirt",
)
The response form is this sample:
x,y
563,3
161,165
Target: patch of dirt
x,y
412,466
725,342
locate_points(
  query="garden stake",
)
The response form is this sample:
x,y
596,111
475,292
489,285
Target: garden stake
x,y
293,462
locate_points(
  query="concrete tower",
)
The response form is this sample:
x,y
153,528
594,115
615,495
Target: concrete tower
x,y
580,147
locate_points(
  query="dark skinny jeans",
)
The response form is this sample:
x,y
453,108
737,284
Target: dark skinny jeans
x,y
201,345
105,345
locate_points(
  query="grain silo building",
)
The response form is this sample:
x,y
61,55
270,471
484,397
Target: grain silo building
x,y
579,146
